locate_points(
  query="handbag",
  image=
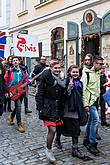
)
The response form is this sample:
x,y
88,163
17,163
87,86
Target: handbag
x,y
106,97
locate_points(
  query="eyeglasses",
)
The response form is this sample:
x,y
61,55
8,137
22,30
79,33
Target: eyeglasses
x,y
100,63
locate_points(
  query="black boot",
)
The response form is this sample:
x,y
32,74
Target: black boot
x,y
85,142
77,153
27,111
98,137
58,144
92,147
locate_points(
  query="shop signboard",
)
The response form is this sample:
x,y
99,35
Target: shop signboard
x,y
91,23
25,45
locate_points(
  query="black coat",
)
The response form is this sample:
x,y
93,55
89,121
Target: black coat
x,y
37,69
50,98
3,88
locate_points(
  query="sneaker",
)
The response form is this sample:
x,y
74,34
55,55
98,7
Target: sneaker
x,y
20,127
92,148
58,144
49,155
10,120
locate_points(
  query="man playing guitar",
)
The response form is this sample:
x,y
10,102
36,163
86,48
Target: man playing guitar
x,y
13,77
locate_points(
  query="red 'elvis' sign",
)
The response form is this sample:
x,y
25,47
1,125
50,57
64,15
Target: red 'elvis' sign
x,y
25,45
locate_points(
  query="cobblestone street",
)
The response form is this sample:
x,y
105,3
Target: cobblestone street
x,y
29,148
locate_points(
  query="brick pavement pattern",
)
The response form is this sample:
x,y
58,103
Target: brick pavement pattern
x,y
29,148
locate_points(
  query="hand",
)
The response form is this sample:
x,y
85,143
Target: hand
x,y
6,95
86,109
71,82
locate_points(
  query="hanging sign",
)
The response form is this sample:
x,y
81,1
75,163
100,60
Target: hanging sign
x,y
25,45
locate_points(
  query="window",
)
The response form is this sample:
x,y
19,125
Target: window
x,y
57,44
23,5
41,1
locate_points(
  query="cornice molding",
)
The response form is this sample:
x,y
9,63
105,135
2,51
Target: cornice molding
x,y
22,13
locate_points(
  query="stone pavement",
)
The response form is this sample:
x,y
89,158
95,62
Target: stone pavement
x,y
29,148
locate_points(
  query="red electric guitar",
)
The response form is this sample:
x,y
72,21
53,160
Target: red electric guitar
x,y
17,90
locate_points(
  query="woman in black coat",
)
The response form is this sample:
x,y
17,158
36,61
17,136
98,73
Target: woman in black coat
x,y
3,89
51,99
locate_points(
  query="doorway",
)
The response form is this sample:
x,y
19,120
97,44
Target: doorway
x,y
91,44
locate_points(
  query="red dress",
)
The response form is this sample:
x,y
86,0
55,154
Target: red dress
x,y
50,123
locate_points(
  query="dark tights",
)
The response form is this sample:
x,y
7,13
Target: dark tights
x,y
50,136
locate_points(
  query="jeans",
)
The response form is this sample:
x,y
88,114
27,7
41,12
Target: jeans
x,y
92,124
17,111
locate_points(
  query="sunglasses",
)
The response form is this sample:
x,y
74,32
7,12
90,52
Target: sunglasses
x,y
100,64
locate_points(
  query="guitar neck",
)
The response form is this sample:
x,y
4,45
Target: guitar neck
x,y
34,78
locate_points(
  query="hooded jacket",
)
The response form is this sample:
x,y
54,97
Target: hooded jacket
x,y
91,89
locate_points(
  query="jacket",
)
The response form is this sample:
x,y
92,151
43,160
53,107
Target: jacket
x,y
14,75
50,98
91,89
37,69
3,88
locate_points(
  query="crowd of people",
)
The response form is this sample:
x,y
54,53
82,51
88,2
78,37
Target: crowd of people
x,y
64,103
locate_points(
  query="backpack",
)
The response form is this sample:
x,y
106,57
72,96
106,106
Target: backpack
x,y
88,77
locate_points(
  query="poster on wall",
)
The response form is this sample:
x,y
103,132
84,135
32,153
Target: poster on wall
x,y
25,45
71,50
106,49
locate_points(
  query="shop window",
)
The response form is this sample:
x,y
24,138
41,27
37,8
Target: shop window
x,y
57,44
23,5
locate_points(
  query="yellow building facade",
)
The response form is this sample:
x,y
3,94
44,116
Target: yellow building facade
x,y
66,29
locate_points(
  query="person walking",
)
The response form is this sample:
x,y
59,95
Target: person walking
x,y
74,109
25,95
38,69
7,103
3,89
91,93
13,77
102,91
51,99
88,63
